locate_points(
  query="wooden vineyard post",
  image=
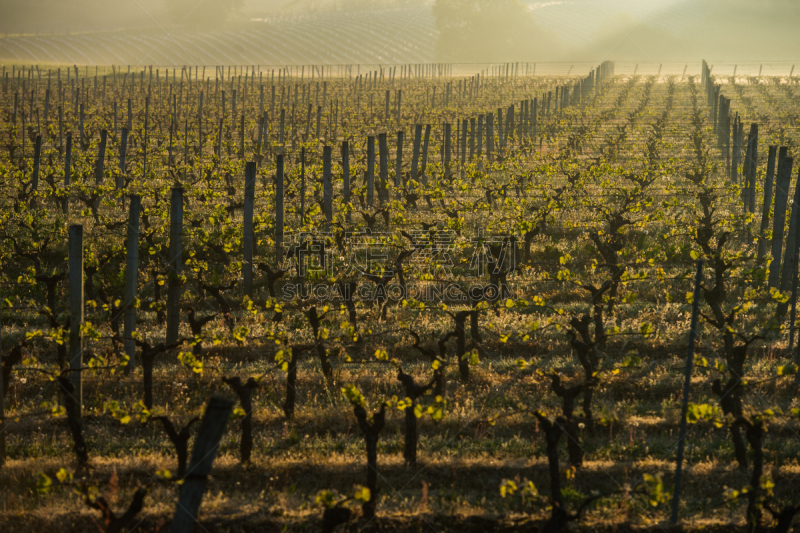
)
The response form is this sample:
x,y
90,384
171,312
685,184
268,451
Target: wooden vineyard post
x,y
726,138
547,104
788,262
233,111
241,137
346,178
37,156
131,279
146,129
779,218
472,129
302,186
753,141
123,148
174,282
76,310
219,143
100,165
67,171
262,133
463,148
308,122
424,164
282,130
81,130
745,173
60,129
734,175
793,300
327,186
500,131
248,237
399,105
278,209
370,170
204,452
415,152
447,148
765,208
2,406
479,137
739,133
750,168
200,117
510,127
686,386
383,183
791,264
398,162
489,136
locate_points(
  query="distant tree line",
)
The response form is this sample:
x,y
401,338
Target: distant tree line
x,y
480,31
81,15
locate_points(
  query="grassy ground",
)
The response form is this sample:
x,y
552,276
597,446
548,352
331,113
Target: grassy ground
x,y
463,460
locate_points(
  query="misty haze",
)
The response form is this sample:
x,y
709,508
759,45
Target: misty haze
x,y
286,32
